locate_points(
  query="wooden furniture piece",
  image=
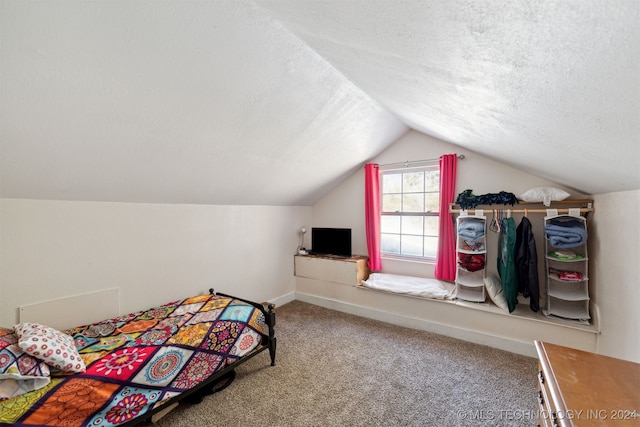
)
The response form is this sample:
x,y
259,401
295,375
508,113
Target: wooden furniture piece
x,y
346,271
562,206
329,277
578,388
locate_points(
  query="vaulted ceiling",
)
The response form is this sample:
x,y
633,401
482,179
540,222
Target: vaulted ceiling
x,y
277,101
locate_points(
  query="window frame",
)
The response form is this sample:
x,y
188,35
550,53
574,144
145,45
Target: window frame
x,y
423,214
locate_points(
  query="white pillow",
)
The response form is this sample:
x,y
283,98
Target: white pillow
x,y
49,345
494,289
544,195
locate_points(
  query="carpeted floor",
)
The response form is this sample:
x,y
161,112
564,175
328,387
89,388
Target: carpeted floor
x,y
336,369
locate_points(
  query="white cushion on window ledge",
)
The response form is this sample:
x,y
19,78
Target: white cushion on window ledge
x,y
543,194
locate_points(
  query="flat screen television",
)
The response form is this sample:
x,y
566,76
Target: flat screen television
x,y
331,241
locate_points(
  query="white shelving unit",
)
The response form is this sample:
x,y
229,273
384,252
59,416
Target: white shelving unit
x,y
471,246
566,269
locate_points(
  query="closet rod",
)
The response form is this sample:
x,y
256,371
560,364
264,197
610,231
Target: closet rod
x,y
410,162
560,211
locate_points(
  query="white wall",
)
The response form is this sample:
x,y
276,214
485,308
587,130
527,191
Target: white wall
x,y
153,253
614,266
614,283
344,206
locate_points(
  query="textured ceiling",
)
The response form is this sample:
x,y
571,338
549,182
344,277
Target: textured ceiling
x,y
175,102
276,102
549,87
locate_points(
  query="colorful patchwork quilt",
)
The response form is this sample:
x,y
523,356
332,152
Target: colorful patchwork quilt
x,y
136,362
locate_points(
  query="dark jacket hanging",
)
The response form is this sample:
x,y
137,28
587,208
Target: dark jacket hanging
x,y
526,259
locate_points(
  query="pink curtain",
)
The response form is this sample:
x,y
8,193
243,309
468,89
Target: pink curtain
x,y
446,257
372,214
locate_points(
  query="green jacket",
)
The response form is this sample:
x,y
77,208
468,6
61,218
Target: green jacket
x,y
507,264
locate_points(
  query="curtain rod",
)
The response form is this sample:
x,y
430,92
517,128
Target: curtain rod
x,y
545,211
410,162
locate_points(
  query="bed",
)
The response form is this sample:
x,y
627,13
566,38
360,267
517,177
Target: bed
x,y
124,370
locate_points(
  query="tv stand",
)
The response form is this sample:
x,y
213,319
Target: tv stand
x,y
329,256
329,276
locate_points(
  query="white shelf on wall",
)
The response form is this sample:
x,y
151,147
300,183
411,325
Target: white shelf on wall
x,y
471,246
567,298
562,206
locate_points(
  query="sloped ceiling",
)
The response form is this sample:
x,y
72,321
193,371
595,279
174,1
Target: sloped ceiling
x,y
550,87
175,102
276,102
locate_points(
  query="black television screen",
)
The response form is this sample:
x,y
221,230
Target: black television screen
x,y
331,241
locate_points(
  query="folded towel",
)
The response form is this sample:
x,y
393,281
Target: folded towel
x,y
566,234
471,229
568,276
566,255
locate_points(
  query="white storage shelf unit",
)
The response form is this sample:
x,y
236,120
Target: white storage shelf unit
x,y
567,278
470,243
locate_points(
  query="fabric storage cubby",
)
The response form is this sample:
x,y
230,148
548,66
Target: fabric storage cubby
x,y
471,255
470,278
569,291
470,293
569,309
566,265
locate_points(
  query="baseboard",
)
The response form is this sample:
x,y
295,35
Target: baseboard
x,y
281,300
513,346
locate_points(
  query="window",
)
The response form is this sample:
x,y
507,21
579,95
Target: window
x,y
409,217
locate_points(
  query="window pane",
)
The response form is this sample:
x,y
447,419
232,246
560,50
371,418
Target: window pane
x,y
413,202
408,195
412,245
413,182
391,203
431,226
430,246
390,224
432,180
432,202
412,225
392,183
390,243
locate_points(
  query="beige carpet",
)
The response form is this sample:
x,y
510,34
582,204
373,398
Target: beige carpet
x,y
335,369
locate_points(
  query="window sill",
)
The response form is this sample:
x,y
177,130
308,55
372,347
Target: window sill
x,y
430,261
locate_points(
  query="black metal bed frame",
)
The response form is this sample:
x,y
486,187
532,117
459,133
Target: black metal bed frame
x,y
203,389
